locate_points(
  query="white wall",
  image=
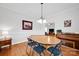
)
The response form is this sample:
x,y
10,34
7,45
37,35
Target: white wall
x,y
12,21
68,14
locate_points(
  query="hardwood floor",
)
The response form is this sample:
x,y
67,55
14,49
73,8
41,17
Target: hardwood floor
x,y
20,50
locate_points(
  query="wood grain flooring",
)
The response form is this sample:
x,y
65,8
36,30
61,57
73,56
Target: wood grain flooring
x,y
22,49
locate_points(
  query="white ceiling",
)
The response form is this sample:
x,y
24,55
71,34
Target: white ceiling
x,y
32,10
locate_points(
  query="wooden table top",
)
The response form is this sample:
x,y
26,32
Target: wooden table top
x,y
45,39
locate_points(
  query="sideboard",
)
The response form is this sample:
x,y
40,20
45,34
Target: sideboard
x,y
70,40
5,41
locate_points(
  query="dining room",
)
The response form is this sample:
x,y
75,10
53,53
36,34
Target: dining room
x,y
39,29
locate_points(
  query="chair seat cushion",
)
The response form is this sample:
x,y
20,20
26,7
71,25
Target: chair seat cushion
x,y
39,48
54,51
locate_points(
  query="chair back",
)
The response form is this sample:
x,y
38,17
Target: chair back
x,y
58,45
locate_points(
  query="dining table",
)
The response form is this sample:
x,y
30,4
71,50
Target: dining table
x,y
46,40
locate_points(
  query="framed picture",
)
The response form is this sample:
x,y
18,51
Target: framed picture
x,y
67,23
26,25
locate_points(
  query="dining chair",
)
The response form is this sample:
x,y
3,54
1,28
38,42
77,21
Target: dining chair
x,y
56,51
37,47
30,45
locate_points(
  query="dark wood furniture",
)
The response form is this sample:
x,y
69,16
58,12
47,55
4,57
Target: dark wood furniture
x,y
70,39
51,33
5,41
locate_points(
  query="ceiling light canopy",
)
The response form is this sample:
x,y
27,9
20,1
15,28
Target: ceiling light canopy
x,y
42,19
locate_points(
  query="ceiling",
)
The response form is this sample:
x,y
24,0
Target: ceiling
x,y
33,10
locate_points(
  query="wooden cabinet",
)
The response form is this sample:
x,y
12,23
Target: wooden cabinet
x,y
70,40
69,43
6,41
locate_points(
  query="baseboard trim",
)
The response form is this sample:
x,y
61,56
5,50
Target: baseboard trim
x,y
18,42
14,44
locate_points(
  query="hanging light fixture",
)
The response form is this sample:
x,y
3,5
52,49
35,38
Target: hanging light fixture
x,y
42,19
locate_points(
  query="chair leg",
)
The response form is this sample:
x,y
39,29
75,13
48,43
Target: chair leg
x,y
51,54
43,54
61,54
39,54
27,50
31,52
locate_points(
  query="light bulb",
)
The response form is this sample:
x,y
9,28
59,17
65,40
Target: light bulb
x,y
40,21
44,21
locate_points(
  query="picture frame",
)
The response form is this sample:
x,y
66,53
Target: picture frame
x,y
26,25
67,23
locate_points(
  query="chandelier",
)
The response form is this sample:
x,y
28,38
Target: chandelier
x,y
42,19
